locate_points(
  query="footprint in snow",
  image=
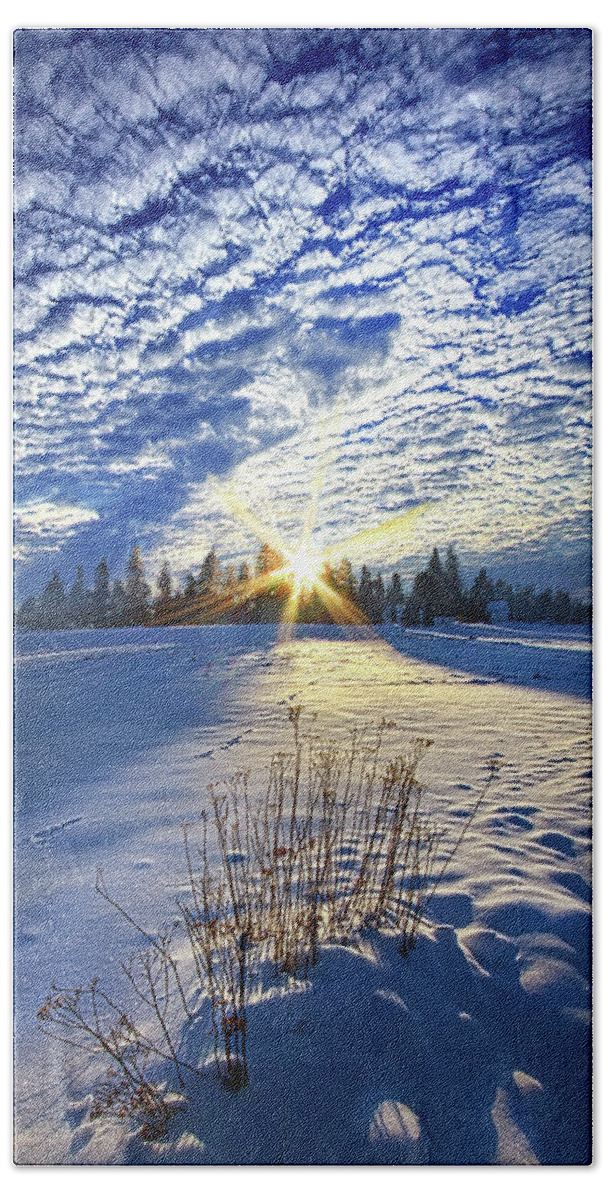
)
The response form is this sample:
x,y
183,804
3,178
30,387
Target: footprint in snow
x,y
42,836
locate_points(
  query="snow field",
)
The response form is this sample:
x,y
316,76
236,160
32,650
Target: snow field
x,y
473,1049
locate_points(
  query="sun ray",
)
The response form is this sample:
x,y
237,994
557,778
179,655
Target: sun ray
x,y
385,531
302,567
288,616
344,611
328,428
222,604
266,533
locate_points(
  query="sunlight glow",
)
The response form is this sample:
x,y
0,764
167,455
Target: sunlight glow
x,y
306,570
305,567
370,539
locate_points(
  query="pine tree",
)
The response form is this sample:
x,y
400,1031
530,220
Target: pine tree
x,y
117,616
394,595
78,601
208,587
378,599
210,574
364,592
230,588
429,592
190,587
28,614
162,602
100,600
267,560
136,591
561,608
453,595
480,595
345,581
53,606
270,600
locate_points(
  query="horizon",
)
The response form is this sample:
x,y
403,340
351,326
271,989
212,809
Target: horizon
x,y
354,263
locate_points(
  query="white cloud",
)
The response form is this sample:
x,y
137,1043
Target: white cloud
x,y
45,518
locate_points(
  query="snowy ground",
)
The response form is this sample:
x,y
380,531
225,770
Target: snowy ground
x,y
473,1050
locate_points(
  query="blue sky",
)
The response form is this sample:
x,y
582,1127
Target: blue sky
x,y
359,258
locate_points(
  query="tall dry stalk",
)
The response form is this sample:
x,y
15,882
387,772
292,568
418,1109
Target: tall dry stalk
x,y
336,844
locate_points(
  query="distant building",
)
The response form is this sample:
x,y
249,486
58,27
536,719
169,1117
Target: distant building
x,y
498,612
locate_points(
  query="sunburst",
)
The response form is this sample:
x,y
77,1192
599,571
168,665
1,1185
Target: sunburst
x,y
305,568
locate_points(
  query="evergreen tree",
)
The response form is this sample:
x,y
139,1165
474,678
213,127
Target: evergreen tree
x,y
163,584
523,603
269,602
210,574
190,587
209,586
452,585
480,595
28,614
378,599
230,582
136,591
561,608
428,593
230,593
117,616
162,602
345,581
244,573
394,595
365,593
53,606
79,601
100,600
268,559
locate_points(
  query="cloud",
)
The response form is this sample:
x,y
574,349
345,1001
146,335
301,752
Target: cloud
x,y
46,523
223,234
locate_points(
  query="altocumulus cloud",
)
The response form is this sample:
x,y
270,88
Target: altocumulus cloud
x,y
237,250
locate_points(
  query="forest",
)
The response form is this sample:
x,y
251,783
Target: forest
x,y
244,594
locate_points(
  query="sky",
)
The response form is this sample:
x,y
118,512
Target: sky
x,y
355,262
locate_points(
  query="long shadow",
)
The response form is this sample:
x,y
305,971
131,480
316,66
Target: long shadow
x,y
504,656
433,1033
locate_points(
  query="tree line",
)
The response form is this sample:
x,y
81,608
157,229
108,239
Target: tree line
x,y
439,591
218,594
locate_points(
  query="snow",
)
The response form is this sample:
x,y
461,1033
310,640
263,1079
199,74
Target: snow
x,y
474,1049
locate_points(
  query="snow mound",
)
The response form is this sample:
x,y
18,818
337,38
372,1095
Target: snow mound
x,y
553,981
395,1122
473,1049
514,1149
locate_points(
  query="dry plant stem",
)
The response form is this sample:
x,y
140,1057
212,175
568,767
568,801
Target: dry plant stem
x,y
101,889
337,843
420,896
155,993
77,1012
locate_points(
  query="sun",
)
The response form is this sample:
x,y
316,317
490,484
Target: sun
x,y
305,568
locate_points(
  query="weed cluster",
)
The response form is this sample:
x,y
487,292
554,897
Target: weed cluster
x,y
337,844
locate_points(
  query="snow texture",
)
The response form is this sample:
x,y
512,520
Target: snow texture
x,y
473,1049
